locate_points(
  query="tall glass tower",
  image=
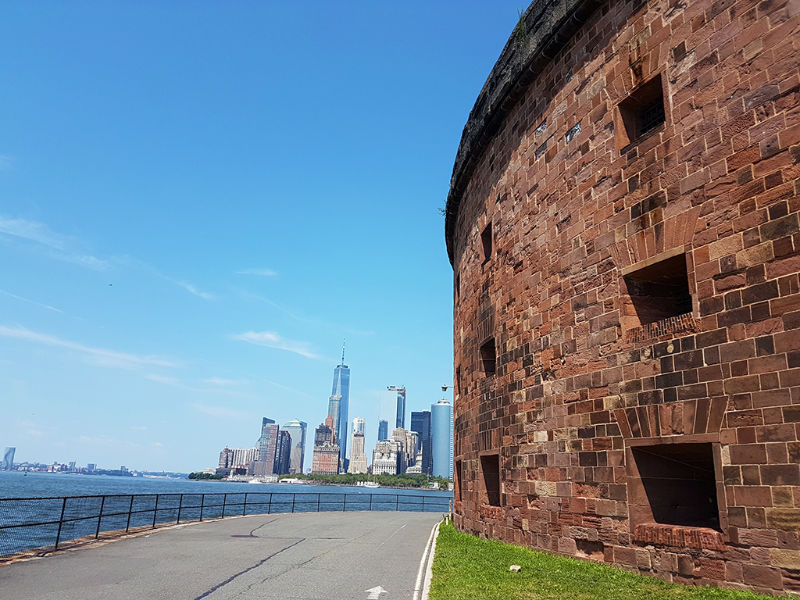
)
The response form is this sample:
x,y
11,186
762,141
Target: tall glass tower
x,y
442,438
400,420
338,405
297,429
421,423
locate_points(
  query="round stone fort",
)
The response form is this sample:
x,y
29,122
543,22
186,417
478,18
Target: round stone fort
x,y
623,227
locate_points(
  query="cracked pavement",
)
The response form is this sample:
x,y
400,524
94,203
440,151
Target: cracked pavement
x,y
288,556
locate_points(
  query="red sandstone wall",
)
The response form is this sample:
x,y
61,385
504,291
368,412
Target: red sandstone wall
x,y
579,381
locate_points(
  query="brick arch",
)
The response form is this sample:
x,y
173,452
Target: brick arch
x,y
691,417
669,234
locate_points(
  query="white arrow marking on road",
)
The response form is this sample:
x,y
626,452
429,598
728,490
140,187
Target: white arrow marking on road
x,y
375,593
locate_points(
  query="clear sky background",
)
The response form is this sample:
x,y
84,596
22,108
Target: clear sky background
x,y
199,201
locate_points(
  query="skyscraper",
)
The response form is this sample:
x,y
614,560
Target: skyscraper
x,y
421,423
267,443
400,420
283,451
8,458
442,438
383,430
358,457
338,405
297,429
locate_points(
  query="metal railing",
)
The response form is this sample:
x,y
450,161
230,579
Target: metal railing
x,y
44,523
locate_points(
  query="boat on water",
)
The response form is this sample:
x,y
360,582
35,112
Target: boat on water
x,y
369,484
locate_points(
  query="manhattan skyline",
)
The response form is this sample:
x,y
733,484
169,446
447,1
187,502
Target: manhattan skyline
x,y
194,217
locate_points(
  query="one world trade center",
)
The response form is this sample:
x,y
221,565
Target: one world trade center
x,y
338,405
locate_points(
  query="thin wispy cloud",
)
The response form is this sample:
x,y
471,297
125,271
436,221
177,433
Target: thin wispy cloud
x,y
217,411
193,290
288,389
131,262
222,382
6,163
58,246
165,380
101,356
29,301
31,429
270,339
246,295
31,231
258,272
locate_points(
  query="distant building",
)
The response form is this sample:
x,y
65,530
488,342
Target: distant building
x,y
421,423
224,458
358,458
283,452
400,391
385,457
237,460
406,448
8,458
359,425
267,444
326,451
383,430
297,429
91,467
442,438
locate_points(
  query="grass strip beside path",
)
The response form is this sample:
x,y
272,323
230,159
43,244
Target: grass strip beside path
x,y
469,568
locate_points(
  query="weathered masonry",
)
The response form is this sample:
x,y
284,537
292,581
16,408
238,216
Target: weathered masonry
x,y
624,226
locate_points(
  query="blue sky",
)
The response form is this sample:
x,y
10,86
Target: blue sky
x,y
199,201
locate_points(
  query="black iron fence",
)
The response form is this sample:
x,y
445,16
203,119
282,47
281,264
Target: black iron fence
x,y
44,523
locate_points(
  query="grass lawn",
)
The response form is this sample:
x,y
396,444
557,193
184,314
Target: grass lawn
x,y
470,568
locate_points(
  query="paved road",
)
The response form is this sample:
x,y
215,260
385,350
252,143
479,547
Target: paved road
x,y
327,556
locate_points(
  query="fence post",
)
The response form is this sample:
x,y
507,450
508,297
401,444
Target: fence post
x,y
344,504
318,496
224,502
155,511
269,506
397,502
180,507
423,503
293,496
99,517
244,506
370,501
61,521
130,509
202,505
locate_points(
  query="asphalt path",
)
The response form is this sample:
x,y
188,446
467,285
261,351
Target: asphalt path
x,y
331,556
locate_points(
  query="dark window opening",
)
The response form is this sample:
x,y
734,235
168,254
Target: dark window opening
x,y
643,110
679,483
490,467
458,476
458,379
458,286
660,290
486,240
489,357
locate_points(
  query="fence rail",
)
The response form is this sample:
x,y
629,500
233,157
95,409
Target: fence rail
x,y
44,523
